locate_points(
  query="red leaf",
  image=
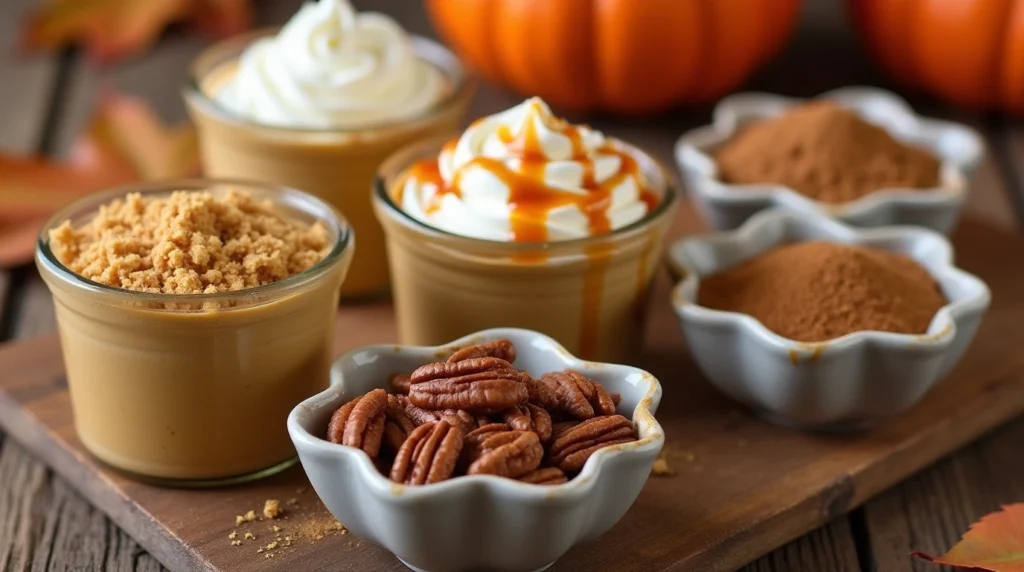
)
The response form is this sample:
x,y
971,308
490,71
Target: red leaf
x,y
109,30
125,142
994,543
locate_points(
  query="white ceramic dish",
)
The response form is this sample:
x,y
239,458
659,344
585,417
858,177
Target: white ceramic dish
x,y
478,522
726,206
848,381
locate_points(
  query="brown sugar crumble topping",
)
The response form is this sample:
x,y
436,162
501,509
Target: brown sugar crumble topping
x,y
189,243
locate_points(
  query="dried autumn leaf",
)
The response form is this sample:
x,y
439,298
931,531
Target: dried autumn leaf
x,y
995,543
113,29
17,241
124,142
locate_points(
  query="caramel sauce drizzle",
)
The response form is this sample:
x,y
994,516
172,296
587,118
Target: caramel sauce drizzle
x,y
530,198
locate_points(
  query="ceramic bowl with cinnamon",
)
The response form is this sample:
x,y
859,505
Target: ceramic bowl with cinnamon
x,y
882,195
843,382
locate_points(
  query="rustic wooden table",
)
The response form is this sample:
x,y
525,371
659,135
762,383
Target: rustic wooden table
x,y
44,101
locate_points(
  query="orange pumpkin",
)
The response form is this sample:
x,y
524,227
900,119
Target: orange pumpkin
x,y
632,56
968,52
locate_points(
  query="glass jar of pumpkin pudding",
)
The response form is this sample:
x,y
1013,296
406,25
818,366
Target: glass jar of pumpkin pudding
x,y
319,104
193,315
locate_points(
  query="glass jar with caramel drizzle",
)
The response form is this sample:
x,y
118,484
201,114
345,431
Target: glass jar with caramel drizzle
x,y
588,293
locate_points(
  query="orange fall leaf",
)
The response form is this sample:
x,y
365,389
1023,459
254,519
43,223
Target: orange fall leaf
x,y
109,30
124,142
995,543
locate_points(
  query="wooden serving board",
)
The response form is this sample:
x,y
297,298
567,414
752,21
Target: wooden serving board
x,y
742,487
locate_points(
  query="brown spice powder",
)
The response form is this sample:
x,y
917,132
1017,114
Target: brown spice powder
x,y
189,243
825,152
816,291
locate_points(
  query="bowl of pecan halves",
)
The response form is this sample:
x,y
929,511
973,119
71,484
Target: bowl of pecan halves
x,y
499,451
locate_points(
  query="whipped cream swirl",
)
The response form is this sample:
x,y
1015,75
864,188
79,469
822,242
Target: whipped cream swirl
x,y
524,175
330,67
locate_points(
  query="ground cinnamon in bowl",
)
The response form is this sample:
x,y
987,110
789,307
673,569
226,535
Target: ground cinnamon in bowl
x,y
825,152
816,291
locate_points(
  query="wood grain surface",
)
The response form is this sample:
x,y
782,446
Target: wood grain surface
x,y
45,525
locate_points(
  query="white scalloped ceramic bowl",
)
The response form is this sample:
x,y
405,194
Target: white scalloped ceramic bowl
x,y
726,206
476,522
845,382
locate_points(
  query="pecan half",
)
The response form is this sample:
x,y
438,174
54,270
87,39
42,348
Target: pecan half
x,y
542,395
578,395
360,422
509,454
460,418
572,445
400,382
478,385
529,417
397,425
473,442
501,349
545,476
444,370
429,454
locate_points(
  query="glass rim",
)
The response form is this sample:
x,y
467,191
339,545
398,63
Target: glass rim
x,y
303,201
463,83
400,161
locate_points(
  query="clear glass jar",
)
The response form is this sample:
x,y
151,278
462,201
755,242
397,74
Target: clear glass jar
x,y
196,389
589,294
335,164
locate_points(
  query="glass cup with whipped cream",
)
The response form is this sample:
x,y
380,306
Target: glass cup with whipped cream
x,y
319,104
525,221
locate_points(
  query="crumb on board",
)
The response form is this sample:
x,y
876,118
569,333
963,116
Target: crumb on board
x,y
271,508
250,516
250,536
276,528
236,543
233,535
661,468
